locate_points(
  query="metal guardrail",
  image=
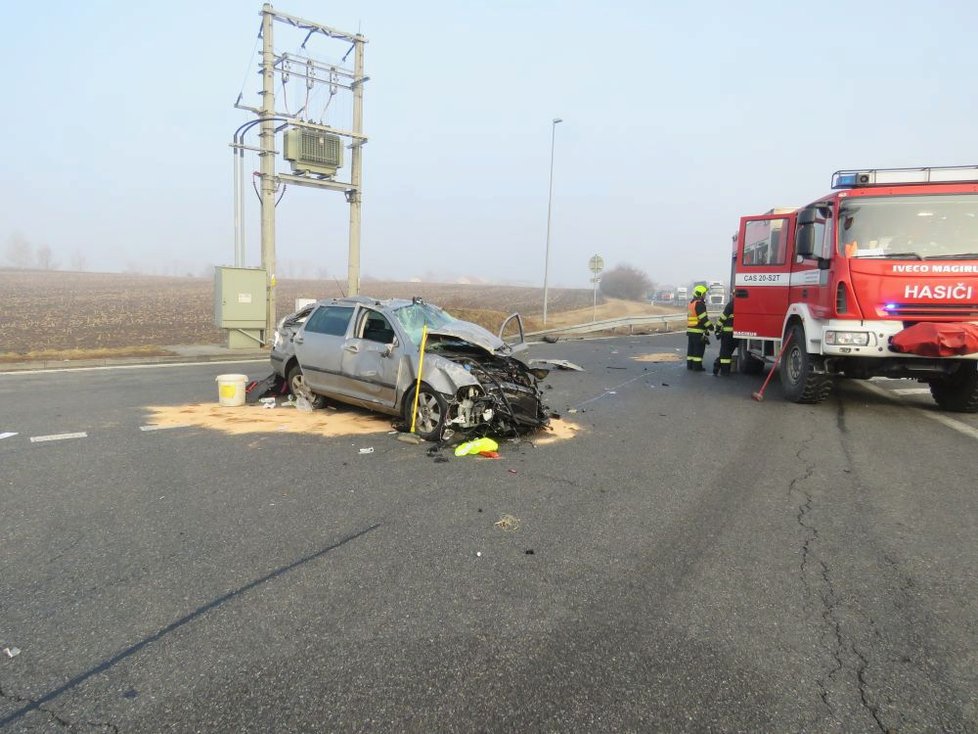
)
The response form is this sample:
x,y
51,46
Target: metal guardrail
x,y
628,322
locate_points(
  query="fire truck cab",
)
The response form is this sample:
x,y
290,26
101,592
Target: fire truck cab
x,y
834,282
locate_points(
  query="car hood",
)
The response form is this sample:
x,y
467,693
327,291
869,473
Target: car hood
x,y
473,334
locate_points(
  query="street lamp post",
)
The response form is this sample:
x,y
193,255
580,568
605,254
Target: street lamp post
x,y
550,200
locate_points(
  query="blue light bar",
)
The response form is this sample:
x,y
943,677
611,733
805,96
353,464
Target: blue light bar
x,y
844,180
904,176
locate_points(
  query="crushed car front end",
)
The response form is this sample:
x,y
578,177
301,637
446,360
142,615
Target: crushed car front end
x,y
494,392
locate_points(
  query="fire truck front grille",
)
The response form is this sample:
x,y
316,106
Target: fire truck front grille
x,y
933,310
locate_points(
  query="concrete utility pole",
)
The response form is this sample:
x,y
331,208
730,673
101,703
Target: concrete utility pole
x,y
267,168
313,164
356,172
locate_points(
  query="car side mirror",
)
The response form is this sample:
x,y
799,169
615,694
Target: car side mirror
x,y
389,349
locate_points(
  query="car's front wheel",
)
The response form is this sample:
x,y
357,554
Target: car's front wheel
x,y
299,388
432,412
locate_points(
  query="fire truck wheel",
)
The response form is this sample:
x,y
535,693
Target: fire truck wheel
x,y
747,364
799,380
958,392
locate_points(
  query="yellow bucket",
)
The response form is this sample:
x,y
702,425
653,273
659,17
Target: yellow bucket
x,y
231,390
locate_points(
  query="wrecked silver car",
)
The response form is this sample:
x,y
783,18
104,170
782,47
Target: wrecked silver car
x,y
366,352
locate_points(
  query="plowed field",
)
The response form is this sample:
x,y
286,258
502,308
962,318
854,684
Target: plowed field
x,y
80,314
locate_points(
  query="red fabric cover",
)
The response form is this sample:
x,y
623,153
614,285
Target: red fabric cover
x,y
936,340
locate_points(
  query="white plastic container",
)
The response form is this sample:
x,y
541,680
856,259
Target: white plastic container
x,y
231,390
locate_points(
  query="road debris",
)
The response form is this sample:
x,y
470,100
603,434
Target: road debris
x,y
507,522
267,402
409,437
367,450
657,357
11,651
258,389
471,448
560,364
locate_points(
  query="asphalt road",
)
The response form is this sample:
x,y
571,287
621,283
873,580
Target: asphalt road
x,y
692,560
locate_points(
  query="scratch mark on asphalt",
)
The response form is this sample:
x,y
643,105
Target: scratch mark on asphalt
x,y
610,391
36,704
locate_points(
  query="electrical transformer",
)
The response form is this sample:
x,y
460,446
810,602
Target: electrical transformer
x,y
312,151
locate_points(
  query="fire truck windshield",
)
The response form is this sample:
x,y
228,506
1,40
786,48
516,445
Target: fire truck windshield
x,y
910,227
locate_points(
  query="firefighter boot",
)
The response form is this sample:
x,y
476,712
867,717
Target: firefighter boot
x,y
716,366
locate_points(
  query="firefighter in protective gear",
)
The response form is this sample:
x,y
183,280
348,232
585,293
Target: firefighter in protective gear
x,y
697,329
725,329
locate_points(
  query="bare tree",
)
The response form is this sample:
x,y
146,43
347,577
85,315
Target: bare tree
x,y
19,251
625,281
45,259
78,261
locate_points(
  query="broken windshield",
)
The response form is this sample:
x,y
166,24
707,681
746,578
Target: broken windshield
x,y
926,227
415,316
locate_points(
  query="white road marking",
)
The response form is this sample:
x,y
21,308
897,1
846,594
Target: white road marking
x,y
163,428
58,437
911,391
955,425
7,434
951,423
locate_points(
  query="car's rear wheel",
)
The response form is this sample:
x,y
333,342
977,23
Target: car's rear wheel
x,y
432,412
299,388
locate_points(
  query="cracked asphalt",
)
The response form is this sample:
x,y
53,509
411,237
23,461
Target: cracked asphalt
x,y
692,561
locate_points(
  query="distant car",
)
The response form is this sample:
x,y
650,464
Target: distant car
x,y
366,352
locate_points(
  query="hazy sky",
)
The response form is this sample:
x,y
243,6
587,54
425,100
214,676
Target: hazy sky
x,y
678,119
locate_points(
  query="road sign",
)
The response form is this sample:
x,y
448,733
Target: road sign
x,y
596,264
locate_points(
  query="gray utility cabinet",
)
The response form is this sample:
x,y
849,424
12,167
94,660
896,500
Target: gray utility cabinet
x,y
241,305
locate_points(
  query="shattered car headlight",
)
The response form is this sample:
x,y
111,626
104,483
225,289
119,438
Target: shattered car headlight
x,y
847,338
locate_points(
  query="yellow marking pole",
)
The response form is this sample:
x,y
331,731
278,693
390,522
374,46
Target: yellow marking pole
x,y
417,386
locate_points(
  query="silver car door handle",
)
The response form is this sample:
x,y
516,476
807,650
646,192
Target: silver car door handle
x,y
297,339
352,348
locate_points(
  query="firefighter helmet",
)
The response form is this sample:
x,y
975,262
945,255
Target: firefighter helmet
x,y
699,291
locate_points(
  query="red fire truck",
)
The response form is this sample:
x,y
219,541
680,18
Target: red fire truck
x,y
877,278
